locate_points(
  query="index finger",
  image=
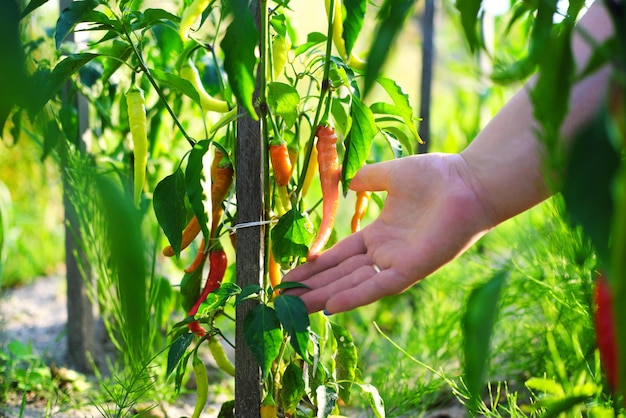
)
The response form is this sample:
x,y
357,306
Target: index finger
x,y
342,250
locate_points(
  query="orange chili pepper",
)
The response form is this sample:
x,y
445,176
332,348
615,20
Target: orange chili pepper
x,y
360,207
330,172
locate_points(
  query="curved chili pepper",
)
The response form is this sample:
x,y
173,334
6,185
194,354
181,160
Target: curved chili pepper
x,y
360,207
189,72
218,263
189,16
219,355
199,259
189,234
328,162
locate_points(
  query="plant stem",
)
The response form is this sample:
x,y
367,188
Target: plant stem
x,y
325,90
143,67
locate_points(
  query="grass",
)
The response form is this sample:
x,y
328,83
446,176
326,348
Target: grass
x,y
543,346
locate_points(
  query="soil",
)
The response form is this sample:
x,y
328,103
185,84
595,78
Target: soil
x,y
36,314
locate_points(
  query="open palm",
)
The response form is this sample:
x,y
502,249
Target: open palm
x,y
432,213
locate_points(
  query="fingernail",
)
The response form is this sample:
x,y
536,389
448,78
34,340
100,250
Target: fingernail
x,y
327,313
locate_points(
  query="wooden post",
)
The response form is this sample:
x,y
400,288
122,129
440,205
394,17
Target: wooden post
x,y
250,187
428,28
80,310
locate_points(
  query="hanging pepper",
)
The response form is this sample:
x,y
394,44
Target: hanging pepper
x,y
190,232
189,72
281,162
189,16
329,171
274,273
139,132
360,207
217,268
202,386
219,355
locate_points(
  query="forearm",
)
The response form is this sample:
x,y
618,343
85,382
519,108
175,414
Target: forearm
x,y
505,159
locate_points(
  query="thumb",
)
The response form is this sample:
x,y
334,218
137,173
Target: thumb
x,y
371,177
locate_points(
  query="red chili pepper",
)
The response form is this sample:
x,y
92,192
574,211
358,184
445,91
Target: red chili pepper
x,y
281,163
605,329
189,234
218,263
360,207
328,162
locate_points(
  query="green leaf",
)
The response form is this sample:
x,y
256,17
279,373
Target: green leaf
x,y
190,288
326,399
291,285
353,22
469,10
176,83
169,208
283,99
15,88
32,6
339,110
391,19
587,189
196,176
55,79
153,17
251,291
478,322
398,141
218,298
550,95
262,333
119,52
127,264
358,141
294,318
293,388
346,360
375,400
51,136
291,237
402,104
239,44
177,351
312,39
75,13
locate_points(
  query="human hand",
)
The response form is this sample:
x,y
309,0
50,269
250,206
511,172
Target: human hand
x,y
433,212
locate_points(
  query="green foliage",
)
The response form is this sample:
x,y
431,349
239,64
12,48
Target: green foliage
x,y
391,17
169,208
478,322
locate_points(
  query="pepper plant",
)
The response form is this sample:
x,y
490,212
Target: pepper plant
x,y
167,86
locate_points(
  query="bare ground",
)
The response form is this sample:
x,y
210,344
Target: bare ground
x,y
36,314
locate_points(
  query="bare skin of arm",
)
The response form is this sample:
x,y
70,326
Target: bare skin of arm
x,y
450,201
